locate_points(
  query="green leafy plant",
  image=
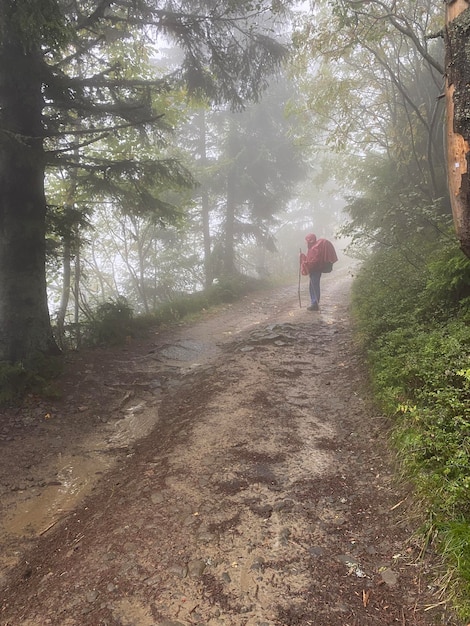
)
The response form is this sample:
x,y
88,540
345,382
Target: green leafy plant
x,y
17,380
111,323
413,327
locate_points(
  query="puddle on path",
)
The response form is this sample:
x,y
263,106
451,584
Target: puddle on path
x,y
76,476
71,477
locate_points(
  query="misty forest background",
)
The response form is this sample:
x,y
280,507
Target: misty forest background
x,y
209,186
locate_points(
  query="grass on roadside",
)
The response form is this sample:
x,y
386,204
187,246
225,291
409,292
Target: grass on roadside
x,y
114,322
413,323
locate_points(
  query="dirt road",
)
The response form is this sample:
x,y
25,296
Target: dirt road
x,y
227,472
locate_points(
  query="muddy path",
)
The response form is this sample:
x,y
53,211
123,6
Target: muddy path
x,y
227,472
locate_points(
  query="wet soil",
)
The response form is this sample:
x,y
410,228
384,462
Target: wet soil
x,y
230,471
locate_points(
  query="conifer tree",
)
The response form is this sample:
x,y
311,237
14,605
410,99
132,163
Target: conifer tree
x,y
61,90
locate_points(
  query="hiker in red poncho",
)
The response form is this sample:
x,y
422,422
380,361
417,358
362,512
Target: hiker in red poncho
x,y
319,258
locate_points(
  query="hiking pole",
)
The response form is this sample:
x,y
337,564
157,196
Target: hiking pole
x,y
300,266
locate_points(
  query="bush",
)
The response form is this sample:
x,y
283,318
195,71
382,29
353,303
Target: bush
x,y
111,324
413,326
17,380
224,291
448,285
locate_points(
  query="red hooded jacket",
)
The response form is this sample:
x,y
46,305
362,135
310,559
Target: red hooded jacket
x,y
320,254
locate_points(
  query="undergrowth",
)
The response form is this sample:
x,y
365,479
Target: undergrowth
x,y
17,380
114,323
413,322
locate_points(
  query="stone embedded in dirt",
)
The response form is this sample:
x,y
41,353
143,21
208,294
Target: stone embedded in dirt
x,y
316,551
91,596
389,577
196,568
283,505
263,510
352,565
181,571
347,559
284,536
170,623
153,580
136,409
205,536
258,564
279,335
158,497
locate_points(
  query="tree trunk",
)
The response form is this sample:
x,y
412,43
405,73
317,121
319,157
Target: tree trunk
x,y
142,260
229,268
66,286
76,293
233,178
206,232
457,41
25,327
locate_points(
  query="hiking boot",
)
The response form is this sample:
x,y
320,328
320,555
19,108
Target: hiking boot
x,y
313,307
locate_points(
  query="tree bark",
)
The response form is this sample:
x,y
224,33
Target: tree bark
x,y
66,286
205,209
229,268
457,41
25,327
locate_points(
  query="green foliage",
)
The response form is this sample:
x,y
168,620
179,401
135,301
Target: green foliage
x,y
38,21
114,322
227,290
390,207
111,323
448,284
381,303
17,380
180,307
414,327
454,538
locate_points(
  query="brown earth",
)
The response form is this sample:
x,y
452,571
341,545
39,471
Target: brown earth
x,y
226,472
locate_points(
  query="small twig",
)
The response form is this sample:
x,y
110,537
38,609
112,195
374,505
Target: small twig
x,y
193,609
43,532
398,504
434,606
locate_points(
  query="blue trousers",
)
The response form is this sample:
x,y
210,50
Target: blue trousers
x,y
314,287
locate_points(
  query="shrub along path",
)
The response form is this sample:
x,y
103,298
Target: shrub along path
x,y
227,472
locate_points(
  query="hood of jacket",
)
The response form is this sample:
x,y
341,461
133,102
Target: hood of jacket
x,y
311,239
